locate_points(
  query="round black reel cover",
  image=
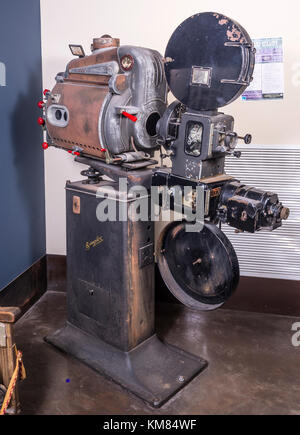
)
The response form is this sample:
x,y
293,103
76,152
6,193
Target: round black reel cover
x,y
201,268
209,61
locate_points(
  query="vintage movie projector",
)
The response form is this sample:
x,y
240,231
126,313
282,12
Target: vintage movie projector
x,y
109,109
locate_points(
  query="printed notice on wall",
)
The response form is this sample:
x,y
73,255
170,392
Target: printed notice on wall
x,y
268,77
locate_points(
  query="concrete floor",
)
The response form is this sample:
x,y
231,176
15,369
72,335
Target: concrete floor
x,y
253,367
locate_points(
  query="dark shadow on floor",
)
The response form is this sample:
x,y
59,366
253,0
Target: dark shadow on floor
x,y
253,367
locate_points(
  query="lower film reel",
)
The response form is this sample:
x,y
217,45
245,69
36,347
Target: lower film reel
x,y
201,269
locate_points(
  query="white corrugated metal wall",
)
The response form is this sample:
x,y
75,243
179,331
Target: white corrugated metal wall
x,y
276,168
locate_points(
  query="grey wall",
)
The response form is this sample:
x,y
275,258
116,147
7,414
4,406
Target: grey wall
x,y
22,217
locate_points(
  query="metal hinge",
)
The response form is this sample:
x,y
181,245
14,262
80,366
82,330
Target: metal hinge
x,y
2,335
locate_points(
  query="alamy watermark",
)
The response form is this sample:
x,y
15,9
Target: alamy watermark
x,y
296,336
2,74
136,204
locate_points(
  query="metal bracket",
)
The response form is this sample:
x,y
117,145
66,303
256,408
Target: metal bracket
x,y
103,69
2,335
146,255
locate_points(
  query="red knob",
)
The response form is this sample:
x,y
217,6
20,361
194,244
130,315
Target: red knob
x,y
40,104
76,153
46,91
103,150
41,121
70,151
45,145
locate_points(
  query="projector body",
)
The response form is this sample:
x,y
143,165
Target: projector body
x,y
84,109
110,111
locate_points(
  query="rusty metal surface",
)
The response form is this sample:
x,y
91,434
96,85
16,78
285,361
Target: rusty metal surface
x,y
84,109
142,177
84,103
216,179
141,283
110,322
93,59
105,41
83,95
110,294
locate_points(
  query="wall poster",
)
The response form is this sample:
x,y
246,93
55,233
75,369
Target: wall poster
x,y
268,77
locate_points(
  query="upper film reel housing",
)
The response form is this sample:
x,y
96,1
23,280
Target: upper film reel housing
x,y
209,61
